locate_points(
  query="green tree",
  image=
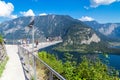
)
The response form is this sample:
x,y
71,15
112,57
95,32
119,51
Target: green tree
x,y
51,60
68,70
94,70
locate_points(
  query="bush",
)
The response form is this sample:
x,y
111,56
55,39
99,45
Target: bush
x,y
1,39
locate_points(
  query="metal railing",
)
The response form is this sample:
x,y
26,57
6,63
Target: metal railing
x,y
43,71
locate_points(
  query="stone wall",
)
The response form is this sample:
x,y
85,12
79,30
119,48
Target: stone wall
x,y
3,53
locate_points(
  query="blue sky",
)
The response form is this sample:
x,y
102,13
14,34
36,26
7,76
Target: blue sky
x,y
103,11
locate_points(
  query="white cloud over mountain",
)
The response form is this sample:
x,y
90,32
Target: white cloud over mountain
x,y
6,10
86,18
28,13
13,16
96,3
43,14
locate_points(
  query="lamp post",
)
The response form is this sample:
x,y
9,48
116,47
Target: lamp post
x,y
31,25
34,60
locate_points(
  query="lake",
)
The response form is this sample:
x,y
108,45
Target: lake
x,y
113,59
116,47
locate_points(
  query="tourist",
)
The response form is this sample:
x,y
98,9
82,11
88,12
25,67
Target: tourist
x,y
36,43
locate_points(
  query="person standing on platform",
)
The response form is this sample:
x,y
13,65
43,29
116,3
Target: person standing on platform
x,y
36,42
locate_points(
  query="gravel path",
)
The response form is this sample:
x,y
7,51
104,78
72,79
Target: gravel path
x,y
13,70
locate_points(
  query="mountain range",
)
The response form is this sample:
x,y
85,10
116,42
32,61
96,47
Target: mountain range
x,y
76,35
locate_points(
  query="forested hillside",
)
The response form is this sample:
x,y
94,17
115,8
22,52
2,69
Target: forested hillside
x,y
86,70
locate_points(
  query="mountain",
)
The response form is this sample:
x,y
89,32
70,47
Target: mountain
x,y
81,38
50,25
109,31
76,35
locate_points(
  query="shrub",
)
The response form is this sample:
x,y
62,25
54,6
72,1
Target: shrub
x,y
1,39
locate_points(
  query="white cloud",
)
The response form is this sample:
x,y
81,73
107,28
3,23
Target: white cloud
x,y
28,13
42,14
6,9
86,7
96,3
86,18
13,16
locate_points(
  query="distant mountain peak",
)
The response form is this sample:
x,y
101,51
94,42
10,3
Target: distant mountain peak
x,y
110,31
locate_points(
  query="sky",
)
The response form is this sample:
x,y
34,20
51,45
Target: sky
x,y
103,11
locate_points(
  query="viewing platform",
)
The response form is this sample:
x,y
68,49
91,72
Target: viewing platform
x,y
14,69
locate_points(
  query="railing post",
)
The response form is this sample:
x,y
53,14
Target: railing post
x,y
34,65
50,76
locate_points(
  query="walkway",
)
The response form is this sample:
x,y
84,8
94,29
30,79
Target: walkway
x,y
13,69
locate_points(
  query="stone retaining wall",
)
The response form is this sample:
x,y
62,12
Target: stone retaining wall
x,y
3,53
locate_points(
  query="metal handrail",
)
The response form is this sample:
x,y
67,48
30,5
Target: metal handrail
x,y
21,63
46,65
52,70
